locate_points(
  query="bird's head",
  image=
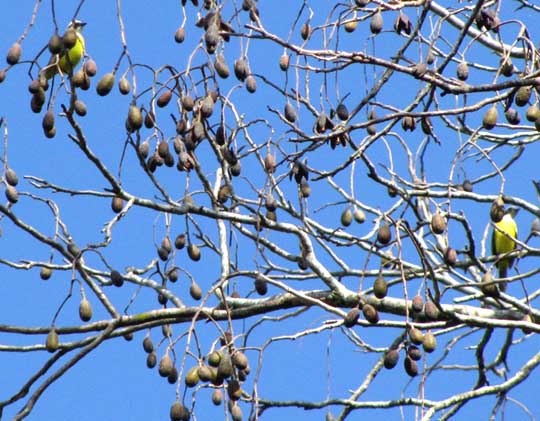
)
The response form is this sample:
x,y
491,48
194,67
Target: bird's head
x,y
76,24
512,211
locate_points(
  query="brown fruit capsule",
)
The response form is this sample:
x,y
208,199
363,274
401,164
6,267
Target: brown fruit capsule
x,y
45,273
533,113
144,149
241,69
195,291
462,71
11,177
438,223
416,336
192,377
359,216
391,359
346,217
523,95
90,68
69,38
116,278
173,275
408,123
151,360
251,84
284,62
450,257
351,25
236,413
305,31
51,133
240,360
488,288
467,186
384,235
80,108
12,195
430,343
225,368
85,310
490,118
261,286
180,241
414,353
14,54
55,44
135,119
380,287
148,346
165,366
164,98
221,66
376,23
270,164
194,252
180,35
370,313
105,84
351,318
205,373
342,112
431,310
233,390
217,397
149,122
117,204
179,412
187,102
411,368
48,121
124,86
290,113
173,377
417,304
2,75
52,342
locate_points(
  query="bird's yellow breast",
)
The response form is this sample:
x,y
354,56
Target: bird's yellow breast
x,y
502,243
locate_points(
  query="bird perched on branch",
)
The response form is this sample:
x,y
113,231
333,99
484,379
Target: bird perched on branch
x,y
70,48
503,241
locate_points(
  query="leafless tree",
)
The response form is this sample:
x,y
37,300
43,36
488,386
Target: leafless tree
x,y
325,170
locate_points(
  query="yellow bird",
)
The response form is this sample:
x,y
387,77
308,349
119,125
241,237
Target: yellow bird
x,y
67,60
503,241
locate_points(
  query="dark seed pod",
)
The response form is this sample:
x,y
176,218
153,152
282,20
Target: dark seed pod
x,y
241,69
124,86
290,113
12,195
488,288
351,318
90,68
361,3
85,310
163,254
431,310
408,123
217,397
45,273
164,99
438,223
523,95
506,67
450,257
148,346
236,413
380,287
36,104
48,121
233,390
462,71
384,236
416,336
490,118
116,278
376,23
467,186
173,275
173,377
414,353
346,217
426,125
151,360
165,366
430,343
195,291
187,102
261,286
52,342
284,62
370,313
144,149
180,35
403,24
221,66
14,54
207,108
240,360
419,70
417,304
11,177
117,204
180,241
194,252
305,31
55,44
391,359
496,212
342,112
411,368
105,84
225,367
34,86
179,412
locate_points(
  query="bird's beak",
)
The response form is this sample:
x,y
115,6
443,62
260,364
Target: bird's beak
x,y
513,211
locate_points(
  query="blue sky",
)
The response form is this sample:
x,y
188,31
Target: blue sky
x,y
113,381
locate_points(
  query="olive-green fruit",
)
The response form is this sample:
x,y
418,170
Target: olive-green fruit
x,y
496,212
117,204
359,216
380,287
180,241
370,313
80,108
11,177
192,377
116,278
195,291
124,86
290,113
342,112
384,235
164,99
236,413
490,118
214,358
180,35
523,95
241,69
217,397
450,257
52,342
55,44
416,336
14,54
105,84
233,390
391,359
69,38
240,360
467,186
221,66
305,189
165,366
351,25
151,360
462,71
346,217
376,23
284,62
261,285
438,223
148,345
12,195
488,288
305,31
533,113
431,310
351,317
45,273
225,368
194,252
506,66
414,353
135,119
179,412
430,343
251,84
411,368
48,121
85,310
90,68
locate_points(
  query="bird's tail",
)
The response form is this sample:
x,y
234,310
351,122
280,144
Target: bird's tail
x,y
503,272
